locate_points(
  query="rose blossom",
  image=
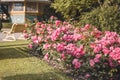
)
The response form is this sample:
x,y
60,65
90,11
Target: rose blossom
x,y
76,63
87,75
46,57
92,63
77,37
106,51
46,46
57,22
60,47
52,17
86,27
30,46
26,35
63,56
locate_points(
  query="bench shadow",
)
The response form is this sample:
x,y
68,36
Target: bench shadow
x,y
15,52
42,76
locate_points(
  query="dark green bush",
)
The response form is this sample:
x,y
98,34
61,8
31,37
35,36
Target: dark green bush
x,y
105,18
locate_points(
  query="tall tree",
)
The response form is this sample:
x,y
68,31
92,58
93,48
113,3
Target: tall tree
x,y
74,8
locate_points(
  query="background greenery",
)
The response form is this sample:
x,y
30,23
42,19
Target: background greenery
x,y
104,14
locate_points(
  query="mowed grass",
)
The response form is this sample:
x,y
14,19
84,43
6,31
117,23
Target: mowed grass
x,y
17,64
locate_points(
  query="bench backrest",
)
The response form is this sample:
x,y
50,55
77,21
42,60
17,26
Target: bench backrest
x,y
17,28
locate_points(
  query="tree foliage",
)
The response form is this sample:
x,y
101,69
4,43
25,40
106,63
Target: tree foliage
x,y
104,14
73,8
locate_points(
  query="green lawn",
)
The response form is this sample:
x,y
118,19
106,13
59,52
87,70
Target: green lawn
x,y
7,24
16,64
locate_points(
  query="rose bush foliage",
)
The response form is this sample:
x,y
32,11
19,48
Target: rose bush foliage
x,y
88,53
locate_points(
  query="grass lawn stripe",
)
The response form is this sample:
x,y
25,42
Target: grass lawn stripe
x,y
16,64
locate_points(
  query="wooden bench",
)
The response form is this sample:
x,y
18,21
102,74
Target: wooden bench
x,y
16,28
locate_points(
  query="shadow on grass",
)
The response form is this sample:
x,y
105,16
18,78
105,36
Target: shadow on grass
x,y
10,53
9,45
42,76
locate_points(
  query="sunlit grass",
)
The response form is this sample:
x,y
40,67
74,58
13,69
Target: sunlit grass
x,y
17,64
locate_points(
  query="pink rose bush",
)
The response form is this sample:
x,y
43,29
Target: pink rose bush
x,y
88,53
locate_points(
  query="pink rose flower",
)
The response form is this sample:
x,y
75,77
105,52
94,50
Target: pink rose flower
x,y
106,51
63,56
96,60
46,57
39,38
57,22
34,38
77,37
87,75
36,41
38,30
30,46
76,63
52,17
86,27
92,63
98,56
60,47
46,46
26,36
54,46
43,25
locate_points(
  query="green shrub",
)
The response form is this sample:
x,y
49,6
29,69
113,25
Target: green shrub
x,y
105,18
7,25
